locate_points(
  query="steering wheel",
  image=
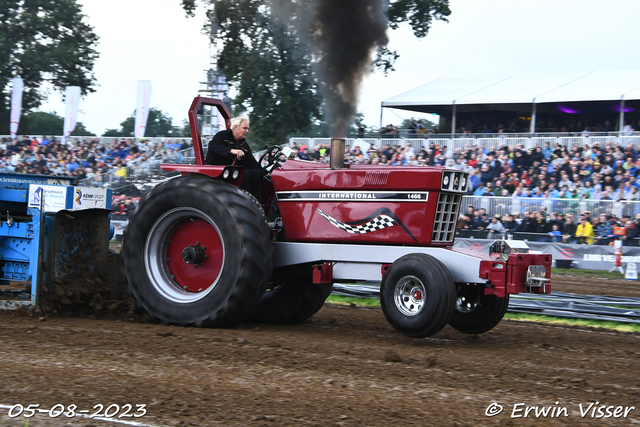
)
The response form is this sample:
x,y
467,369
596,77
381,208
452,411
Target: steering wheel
x,y
271,154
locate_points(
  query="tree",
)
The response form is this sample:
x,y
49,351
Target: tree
x,y
40,123
427,124
287,58
44,41
158,124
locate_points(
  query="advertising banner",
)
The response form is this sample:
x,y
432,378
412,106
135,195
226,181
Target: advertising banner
x,y
52,197
16,105
142,107
71,106
90,198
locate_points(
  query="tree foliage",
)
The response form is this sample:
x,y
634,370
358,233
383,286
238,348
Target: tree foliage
x,y
39,123
43,41
158,124
266,57
427,124
272,74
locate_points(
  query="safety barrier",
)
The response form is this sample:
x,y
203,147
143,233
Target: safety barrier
x,y
108,141
141,177
511,205
557,304
416,141
469,141
527,237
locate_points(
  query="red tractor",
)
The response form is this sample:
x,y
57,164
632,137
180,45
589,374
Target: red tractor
x,y
200,251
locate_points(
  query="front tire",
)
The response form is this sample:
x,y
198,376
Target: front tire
x,y
417,295
197,252
291,298
475,312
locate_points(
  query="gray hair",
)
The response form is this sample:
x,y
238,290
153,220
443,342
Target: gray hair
x,y
237,121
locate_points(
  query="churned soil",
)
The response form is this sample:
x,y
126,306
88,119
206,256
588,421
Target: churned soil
x,y
346,366
596,286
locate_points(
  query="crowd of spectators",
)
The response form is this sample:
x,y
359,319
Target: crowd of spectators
x,y
583,125
122,206
80,159
592,172
496,125
554,227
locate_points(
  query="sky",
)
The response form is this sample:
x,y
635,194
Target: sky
x,y
154,40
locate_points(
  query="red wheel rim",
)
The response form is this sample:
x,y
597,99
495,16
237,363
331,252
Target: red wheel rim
x,y
195,277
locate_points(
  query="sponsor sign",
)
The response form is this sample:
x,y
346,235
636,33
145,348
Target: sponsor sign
x,y
632,271
89,198
53,197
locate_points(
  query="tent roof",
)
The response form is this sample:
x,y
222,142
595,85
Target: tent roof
x,y
519,89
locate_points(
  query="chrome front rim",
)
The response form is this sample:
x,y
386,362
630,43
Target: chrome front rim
x,y
410,295
468,298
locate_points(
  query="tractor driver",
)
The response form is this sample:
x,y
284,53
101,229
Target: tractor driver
x,y
229,146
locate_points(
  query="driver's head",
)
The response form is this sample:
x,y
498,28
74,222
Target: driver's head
x,y
240,127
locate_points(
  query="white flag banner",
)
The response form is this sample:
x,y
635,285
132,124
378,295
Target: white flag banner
x,y
142,107
71,104
16,105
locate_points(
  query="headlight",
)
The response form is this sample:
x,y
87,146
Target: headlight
x,y
235,174
445,181
463,182
225,174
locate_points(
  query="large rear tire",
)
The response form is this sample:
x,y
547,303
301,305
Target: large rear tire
x,y
291,298
475,312
417,295
197,252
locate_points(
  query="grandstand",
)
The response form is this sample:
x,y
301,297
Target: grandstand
x,y
612,95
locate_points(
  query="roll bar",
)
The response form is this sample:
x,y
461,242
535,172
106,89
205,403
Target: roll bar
x,y
195,128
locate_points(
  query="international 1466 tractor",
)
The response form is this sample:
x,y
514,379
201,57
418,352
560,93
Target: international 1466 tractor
x,y
200,251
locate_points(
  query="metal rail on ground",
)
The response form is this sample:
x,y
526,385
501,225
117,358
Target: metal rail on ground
x,y
559,304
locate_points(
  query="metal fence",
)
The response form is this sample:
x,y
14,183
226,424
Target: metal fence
x,y
478,140
511,205
449,140
532,237
141,177
108,141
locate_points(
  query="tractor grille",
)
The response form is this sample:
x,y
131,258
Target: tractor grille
x,y
444,224
375,178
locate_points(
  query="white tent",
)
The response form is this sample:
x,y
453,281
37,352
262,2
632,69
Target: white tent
x,y
539,92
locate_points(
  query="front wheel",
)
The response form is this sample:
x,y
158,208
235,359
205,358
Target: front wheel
x,y
197,252
475,312
417,295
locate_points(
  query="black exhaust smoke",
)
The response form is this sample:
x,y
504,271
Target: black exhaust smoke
x,y
342,35
345,33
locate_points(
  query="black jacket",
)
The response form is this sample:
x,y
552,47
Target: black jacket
x,y
219,152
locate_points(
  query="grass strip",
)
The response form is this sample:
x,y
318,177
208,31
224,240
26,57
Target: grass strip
x,y
616,326
339,299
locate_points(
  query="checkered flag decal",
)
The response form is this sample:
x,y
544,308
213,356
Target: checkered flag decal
x,y
377,223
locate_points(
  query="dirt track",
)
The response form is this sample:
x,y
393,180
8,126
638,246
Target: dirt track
x,y
346,366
